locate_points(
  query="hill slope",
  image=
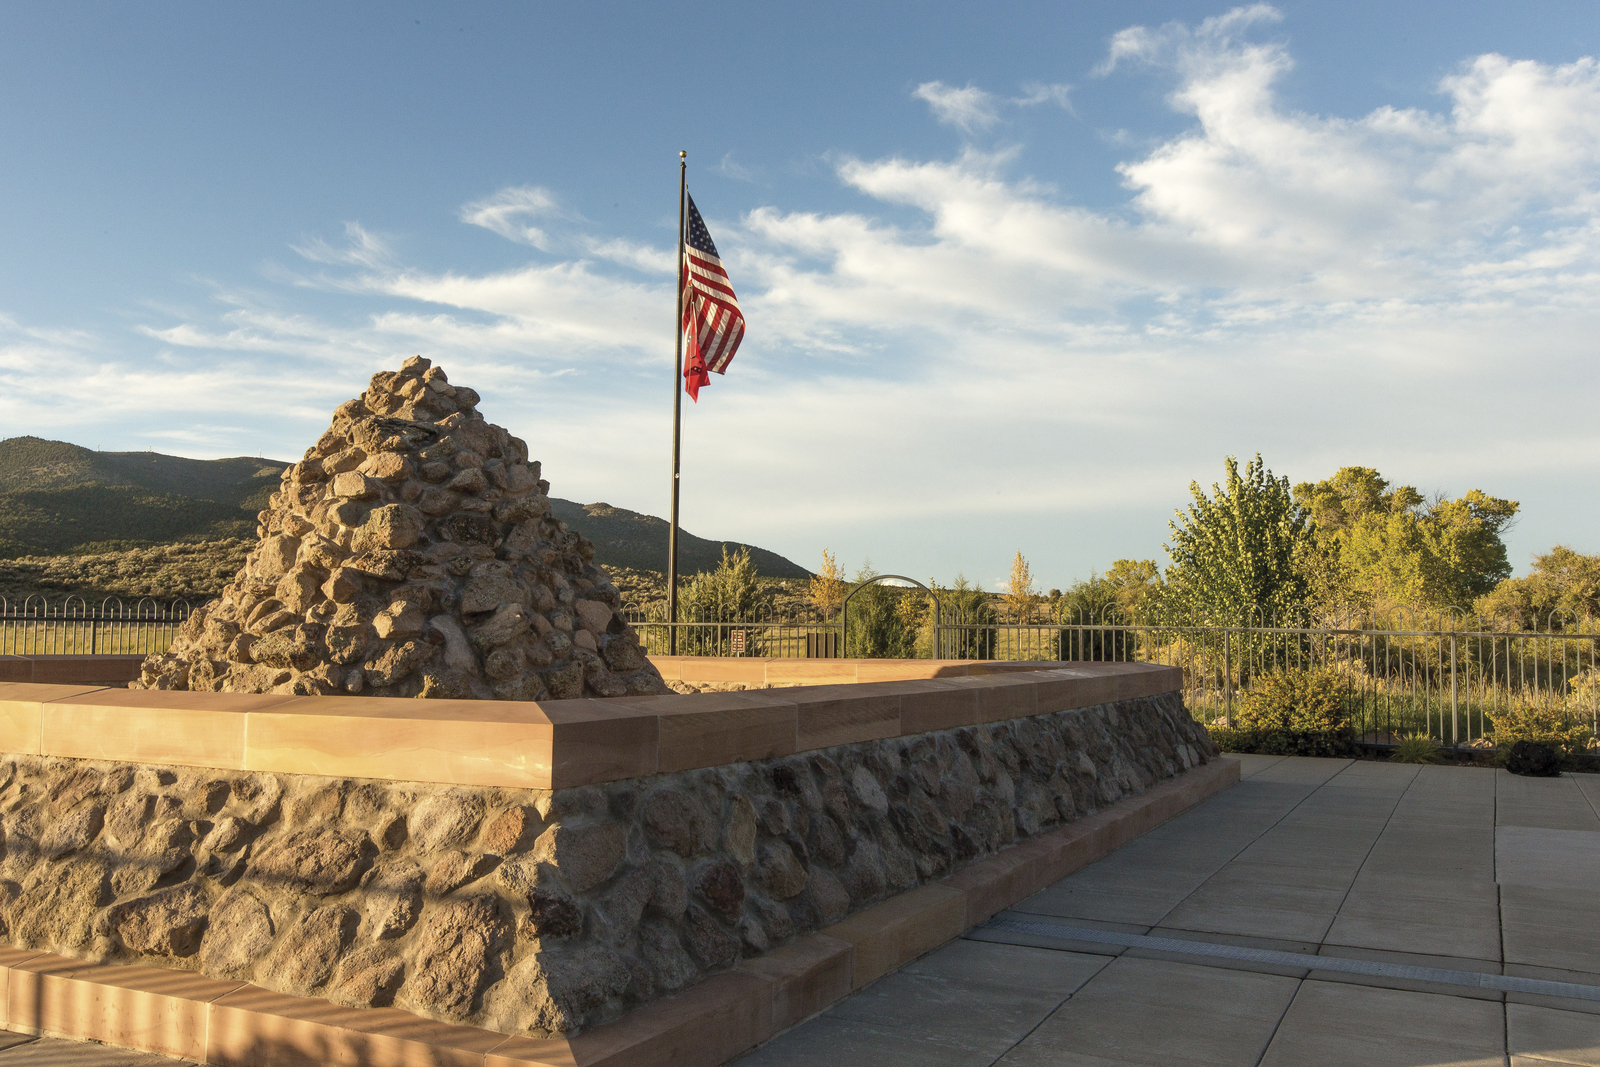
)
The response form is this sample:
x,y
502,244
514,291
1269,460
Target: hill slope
x,y
60,499
624,538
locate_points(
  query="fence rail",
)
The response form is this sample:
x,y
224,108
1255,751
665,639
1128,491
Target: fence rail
x,y
36,627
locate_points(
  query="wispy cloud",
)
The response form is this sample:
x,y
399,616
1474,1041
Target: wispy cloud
x,y
508,212
967,108
729,167
1036,93
362,248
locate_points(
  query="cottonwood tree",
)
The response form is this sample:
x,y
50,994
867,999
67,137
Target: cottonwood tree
x,y
1373,544
827,588
1020,596
1562,581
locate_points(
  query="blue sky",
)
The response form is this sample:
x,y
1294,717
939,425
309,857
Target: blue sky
x,y
1015,274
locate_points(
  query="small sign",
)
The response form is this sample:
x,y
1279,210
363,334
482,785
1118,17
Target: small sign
x,y
736,639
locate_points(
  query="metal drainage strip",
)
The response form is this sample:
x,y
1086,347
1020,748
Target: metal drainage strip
x,y
1300,959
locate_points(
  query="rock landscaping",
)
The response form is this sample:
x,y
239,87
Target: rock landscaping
x,y
412,552
529,911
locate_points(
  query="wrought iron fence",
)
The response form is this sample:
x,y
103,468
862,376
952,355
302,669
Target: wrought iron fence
x,y
35,626
1445,673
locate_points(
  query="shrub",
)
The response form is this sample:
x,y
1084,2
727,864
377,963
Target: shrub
x,y
1415,748
1290,713
1295,701
1546,725
1267,742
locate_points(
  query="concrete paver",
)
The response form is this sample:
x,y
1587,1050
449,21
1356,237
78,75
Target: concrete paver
x,y
19,1050
1338,1025
1208,1018
1548,1036
1554,859
1550,928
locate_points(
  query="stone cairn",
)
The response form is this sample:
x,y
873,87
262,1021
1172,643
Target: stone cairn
x,y
412,553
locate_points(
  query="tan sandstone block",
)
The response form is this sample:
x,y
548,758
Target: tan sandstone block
x,y
714,729
153,726
22,712
10,959
145,1008
893,670
810,671
1070,688
252,1027
598,741
750,671
456,742
705,1026
807,975
935,704
887,936
1002,696
843,714
86,670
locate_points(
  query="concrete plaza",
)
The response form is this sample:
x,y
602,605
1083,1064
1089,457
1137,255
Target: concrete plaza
x,y
1418,880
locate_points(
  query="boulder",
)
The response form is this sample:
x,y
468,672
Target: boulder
x,y
1534,760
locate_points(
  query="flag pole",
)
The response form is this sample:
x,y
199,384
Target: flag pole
x,y
677,421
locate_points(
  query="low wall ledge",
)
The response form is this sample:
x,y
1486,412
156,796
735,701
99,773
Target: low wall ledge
x,y
550,744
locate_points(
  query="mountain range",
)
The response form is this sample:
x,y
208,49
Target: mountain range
x,y
58,499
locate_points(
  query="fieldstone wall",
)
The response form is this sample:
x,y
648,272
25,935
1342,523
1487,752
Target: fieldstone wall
x,y
527,911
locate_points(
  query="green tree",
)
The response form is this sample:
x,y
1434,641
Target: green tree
x,y
967,606
1135,582
876,627
1240,548
1562,580
731,593
1373,544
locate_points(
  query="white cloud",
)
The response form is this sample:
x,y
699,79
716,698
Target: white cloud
x,y
967,108
507,213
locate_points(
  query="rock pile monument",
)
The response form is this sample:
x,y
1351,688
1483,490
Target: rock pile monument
x,y
412,553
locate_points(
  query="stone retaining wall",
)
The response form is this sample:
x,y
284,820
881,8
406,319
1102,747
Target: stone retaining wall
x,y
536,911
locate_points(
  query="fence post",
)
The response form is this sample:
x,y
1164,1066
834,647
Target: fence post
x,y
1227,675
1455,724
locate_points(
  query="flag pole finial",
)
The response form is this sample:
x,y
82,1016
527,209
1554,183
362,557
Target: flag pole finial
x,y
682,154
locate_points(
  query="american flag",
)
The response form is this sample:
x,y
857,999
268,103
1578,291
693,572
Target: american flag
x,y
713,325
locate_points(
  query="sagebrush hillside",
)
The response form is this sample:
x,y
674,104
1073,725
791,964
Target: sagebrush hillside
x,y
58,498
133,524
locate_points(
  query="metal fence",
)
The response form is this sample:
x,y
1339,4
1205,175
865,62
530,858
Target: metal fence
x,y
1445,673
35,626
1448,674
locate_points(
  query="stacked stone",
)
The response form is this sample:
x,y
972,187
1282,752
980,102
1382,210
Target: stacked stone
x,y
412,553
530,911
